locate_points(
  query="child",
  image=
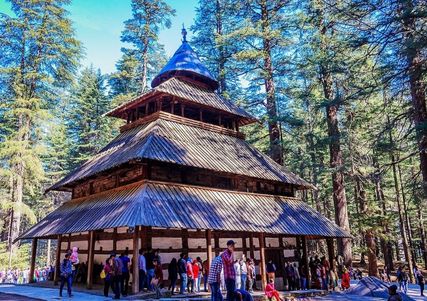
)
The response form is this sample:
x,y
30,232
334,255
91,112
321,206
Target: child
x,y
271,292
345,280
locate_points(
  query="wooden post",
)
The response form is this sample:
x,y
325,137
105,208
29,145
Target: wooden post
x,y
135,255
90,255
201,115
251,244
262,261
185,241
33,260
115,240
331,251
219,119
58,260
69,242
182,110
209,247
216,241
305,260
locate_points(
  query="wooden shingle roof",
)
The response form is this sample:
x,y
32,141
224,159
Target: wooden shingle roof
x,y
166,205
190,92
174,142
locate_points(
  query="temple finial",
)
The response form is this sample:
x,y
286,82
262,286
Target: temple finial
x,y
184,33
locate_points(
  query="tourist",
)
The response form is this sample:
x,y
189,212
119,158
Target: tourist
x,y
345,279
74,257
108,276
297,277
196,269
303,277
271,292
333,278
242,295
66,275
173,274
182,270
200,274
244,273
289,275
157,281
238,271
251,274
142,267
149,257
402,278
229,272
157,256
190,275
117,275
214,278
420,279
325,272
124,281
394,296
205,274
271,270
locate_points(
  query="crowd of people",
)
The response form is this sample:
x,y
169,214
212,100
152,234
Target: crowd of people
x,y
18,276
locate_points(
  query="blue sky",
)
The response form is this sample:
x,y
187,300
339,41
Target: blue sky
x,y
98,25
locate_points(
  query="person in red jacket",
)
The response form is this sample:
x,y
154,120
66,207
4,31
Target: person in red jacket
x,y
196,270
345,280
271,292
190,275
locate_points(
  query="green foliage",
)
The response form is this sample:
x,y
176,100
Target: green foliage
x,y
19,260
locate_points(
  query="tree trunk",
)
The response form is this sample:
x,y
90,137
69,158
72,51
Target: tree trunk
x,y
406,247
415,66
221,59
372,257
276,151
406,216
422,234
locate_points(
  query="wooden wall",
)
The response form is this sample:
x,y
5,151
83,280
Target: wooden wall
x,y
158,171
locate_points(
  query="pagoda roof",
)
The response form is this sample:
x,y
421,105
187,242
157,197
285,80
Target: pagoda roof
x,y
166,205
174,141
190,92
186,63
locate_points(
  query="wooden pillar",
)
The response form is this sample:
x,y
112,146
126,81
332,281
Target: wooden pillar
x,y
262,260
331,251
216,241
185,241
33,260
219,119
305,260
69,242
209,247
251,248
58,260
201,115
143,235
244,246
90,255
182,110
135,255
115,240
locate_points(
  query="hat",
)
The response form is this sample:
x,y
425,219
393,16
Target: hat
x,y
393,287
231,243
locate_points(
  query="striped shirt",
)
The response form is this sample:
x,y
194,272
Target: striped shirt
x,y
228,263
215,270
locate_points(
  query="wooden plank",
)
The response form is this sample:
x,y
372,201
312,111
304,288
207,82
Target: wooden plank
x,y
69,242
263,271
135,255
57,260
33,260
143,235
91,244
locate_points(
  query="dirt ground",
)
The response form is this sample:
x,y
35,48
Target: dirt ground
x,y
7,297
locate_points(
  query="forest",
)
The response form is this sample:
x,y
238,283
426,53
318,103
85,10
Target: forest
x,y
339,87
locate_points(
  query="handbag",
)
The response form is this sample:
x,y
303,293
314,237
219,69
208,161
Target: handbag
x,y
103,274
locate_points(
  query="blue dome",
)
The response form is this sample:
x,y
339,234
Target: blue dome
x,y
185,63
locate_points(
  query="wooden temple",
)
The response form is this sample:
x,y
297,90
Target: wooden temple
x,y
181,178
